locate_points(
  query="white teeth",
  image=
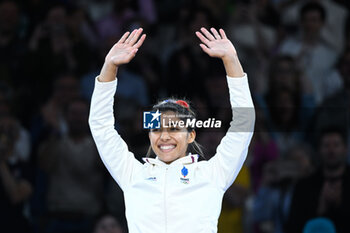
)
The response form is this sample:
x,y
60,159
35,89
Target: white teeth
x,y
167,147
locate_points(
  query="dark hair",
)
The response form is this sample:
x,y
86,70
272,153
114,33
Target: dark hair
x,y
277,60
332,129
313,6
275,69
100,216
182,108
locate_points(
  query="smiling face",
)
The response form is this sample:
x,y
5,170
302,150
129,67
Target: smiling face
x,y
171,143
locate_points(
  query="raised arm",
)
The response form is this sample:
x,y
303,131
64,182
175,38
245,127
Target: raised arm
x,y
114,152
233,148
121,53
217,45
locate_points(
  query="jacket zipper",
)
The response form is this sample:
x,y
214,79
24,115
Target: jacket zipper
x,y
165,212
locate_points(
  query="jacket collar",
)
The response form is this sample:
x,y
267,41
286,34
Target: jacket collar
x,y
190,158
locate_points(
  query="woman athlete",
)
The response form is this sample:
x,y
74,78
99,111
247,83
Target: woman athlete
x,y
173,192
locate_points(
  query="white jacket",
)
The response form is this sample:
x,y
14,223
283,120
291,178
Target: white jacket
x,y
158,197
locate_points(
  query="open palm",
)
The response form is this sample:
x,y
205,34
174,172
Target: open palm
x,y
215,44
125,49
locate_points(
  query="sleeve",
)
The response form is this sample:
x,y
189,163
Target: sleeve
x,y
232,150
113,151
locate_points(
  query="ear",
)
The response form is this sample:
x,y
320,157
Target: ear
x,y
191,136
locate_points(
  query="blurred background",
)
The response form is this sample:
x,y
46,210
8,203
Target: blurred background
x,y
297,57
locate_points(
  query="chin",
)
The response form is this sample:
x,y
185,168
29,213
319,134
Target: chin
x,y
167,158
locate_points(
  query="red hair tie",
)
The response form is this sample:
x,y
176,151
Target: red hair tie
x,y
182,103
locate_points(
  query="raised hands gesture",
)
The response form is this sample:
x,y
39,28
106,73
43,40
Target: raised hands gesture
x,y
125,49
216,44
121,53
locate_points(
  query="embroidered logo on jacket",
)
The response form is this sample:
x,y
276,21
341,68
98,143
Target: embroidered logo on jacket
x,y
184,172
152,178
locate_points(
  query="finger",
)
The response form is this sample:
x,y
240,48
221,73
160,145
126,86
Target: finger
x,y
205,49
207,34
222,33
132,54
122,40
136,36
130,36
202,38
216,34
140,42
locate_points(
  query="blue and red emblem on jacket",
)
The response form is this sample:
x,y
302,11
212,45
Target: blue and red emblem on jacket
x,y
184,172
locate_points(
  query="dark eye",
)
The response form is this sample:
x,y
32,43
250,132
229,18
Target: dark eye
x,y
174,129
155,130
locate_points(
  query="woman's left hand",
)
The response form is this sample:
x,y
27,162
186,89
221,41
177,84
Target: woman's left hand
x,y
215,44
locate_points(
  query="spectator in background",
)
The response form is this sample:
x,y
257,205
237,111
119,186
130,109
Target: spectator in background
x,y
124,11
288,103
75,174
284,73
181,73
315,57
324,193
12,46
254,26
185,65
82,29
97,9
15,179
56,47
82,40
50,44
272,201
107,223
22,145
335,109
286,126
332,33
51,118
264,149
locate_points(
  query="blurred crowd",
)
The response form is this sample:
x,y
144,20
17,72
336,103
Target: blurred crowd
x,y
296,54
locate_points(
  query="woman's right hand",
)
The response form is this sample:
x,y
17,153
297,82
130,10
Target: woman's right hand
x,y
125,49
121,53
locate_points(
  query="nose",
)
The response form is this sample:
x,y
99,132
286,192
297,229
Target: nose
x,y
164,135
